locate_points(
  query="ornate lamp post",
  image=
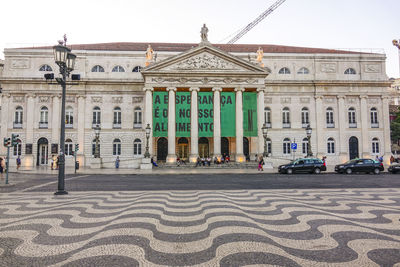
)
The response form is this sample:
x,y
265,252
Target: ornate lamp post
x,y
148,130
309,132
97,137
265,132
66,62
396,43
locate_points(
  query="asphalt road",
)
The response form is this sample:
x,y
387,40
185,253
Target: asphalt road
x,y
141,182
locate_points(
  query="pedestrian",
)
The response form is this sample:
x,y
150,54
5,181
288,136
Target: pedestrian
x,y
376,158
261,164
57,162
391,159
198,162
380,159
18,162
117,162
1,168
153,162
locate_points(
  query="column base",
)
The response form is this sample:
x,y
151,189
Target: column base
x,y
193,158
267,164
240,158
171,159
96,163
146,164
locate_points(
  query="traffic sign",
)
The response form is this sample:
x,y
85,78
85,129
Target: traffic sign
x,y
293,146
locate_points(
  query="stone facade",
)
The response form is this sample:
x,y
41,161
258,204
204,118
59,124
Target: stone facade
x,y
291,78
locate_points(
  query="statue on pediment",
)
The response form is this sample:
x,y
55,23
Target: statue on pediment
x,y
204,33
149,55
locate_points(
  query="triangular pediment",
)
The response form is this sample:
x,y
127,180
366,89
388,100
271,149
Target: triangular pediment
x,y
204,59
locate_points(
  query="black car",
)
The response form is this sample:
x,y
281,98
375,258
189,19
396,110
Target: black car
x,y
309,165
360,165
394,168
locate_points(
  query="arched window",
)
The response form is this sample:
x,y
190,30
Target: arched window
x,y
330,123
69,117
330,146
18,115
96,116
304,117
286,146
267,117
285,117
374,118
117,117
118,69
303,70
137,147
137,69
269,146
17,148
44,115
68,148
352,118
350,71
94,146
375,145
97,68
284,70
116,147
45,67
304,147
137,117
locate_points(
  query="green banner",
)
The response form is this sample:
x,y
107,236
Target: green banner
x,y
182,114
206,114
160,114
249,114
228,114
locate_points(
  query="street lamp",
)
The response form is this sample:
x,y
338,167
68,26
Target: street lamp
x,y
148,130
66,62
265,132
309,132
396,43
97,137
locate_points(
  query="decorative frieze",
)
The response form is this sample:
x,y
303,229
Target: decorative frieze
x,y
70,99
351,100
373,100
329,100
117,99
18,99
285,100
44,99
21,63
328,67
204,61
268,100
97,99
205,80
372,68
137,99
304,100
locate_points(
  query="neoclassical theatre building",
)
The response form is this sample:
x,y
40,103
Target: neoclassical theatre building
x,y
221,97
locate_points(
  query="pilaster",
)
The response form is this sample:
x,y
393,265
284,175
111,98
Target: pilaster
x,y
343,154
5,107
30,113
148,112
386,130
55,134
364,126
81,124
320,152
260,120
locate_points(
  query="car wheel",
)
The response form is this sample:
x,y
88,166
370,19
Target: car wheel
x,y
317,170
289,171
349,171
376,171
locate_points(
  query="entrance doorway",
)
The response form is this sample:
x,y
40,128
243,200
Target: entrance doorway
x,y
246,151
183,148
353,147
42,152
224,146
162,148
204,148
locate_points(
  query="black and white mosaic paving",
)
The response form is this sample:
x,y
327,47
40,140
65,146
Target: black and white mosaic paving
x,y
335,227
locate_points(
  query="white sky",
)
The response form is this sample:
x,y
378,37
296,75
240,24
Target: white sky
x,y
310,23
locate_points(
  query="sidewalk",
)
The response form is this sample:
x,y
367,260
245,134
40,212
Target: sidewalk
x,y
179,170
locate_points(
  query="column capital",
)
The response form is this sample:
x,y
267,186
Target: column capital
x,y
80,96
171,89
239,89
216,89
31,95
7,95
148,89
194,89
385,97
363,96
341,96
261,89
318,97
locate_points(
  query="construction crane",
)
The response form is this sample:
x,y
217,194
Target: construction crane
x,y
256,21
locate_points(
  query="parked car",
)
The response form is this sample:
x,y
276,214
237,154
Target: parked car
x,y
308,165
394,168
360,165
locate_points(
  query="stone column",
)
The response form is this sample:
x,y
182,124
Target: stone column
x,y
217,121
342,146
5,125
171,158
239,157
55,120
386,144
148,116
81,128
319,128
364,127
194,125
30,115
260,121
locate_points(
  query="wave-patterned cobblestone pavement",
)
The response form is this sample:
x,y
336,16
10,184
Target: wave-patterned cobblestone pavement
x,y
346,227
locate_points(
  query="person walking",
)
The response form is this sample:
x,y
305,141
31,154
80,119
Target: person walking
x,y
1,168
117,162
18,162
261,164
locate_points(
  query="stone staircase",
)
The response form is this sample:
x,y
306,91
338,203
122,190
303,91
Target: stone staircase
x,y
230,165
